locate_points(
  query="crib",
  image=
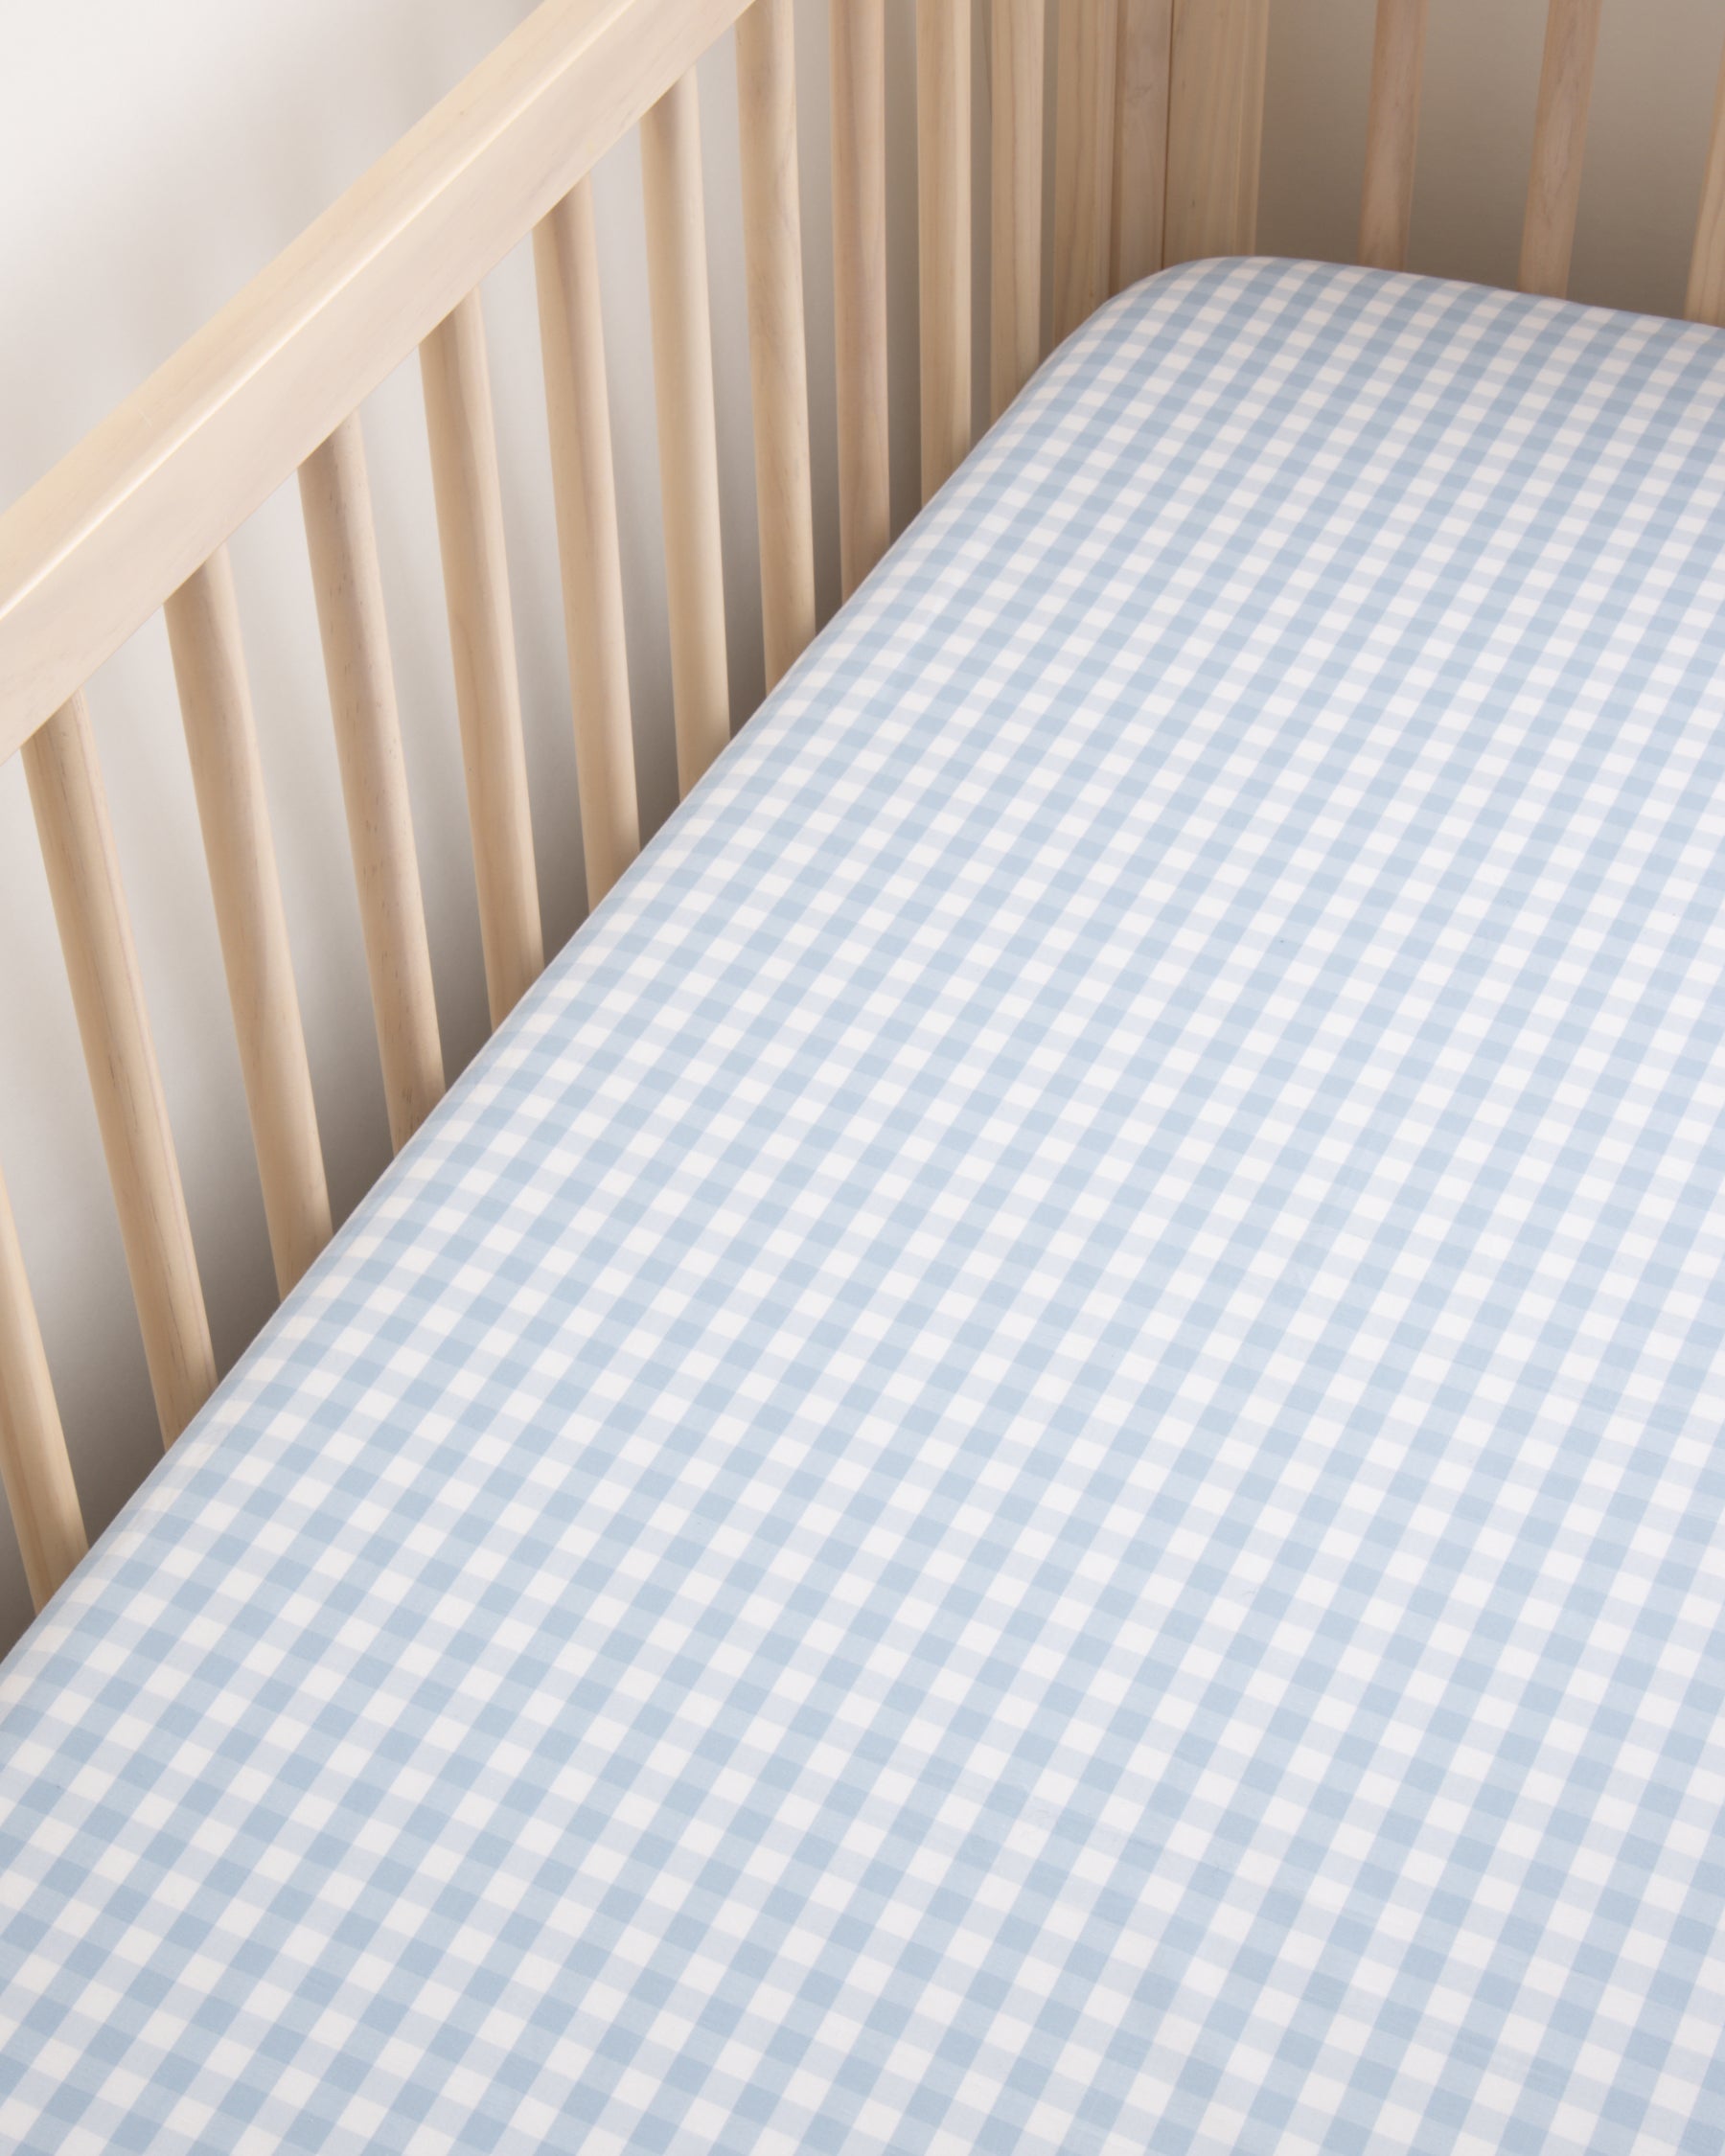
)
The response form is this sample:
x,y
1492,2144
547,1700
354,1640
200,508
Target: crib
x,y
1157,112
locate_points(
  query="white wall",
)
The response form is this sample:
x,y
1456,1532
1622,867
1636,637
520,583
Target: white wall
x,y
153,159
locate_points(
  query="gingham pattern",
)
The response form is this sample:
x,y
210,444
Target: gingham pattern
x,y
1035,1463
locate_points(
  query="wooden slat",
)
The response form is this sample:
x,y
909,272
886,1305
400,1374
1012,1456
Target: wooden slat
x,y
1566,75
227,776
488,698
1705,301
1017,42
335,498
682,380
1084,119
943,170
90,553
1140,168
859,128
565,260
101,965
777,354
1393,133
34,1464
1215,127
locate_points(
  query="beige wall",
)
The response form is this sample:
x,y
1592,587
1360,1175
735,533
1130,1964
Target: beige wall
x,y
1658,63
154,158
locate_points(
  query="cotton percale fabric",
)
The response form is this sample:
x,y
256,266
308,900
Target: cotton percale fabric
x,y
1035,1462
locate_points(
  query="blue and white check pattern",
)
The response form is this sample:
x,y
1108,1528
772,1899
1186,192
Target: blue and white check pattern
x,y
1035,1465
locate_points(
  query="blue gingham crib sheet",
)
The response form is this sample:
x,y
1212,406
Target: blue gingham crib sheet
x,y
1035,1463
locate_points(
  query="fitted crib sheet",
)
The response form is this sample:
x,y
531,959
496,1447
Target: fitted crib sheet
x,y
1035,1462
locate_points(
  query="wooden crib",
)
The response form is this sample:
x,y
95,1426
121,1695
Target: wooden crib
x,y
1156,122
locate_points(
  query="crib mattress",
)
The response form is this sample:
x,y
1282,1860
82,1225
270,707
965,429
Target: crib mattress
x,y
1035,1462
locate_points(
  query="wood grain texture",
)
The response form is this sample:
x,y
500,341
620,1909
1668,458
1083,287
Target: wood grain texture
x,y
683,381
457,374
778,361
943,226
1088,47
227,776
1140,140
335,498
34,1464
859,139
1017,45
1393,133
101,966
1566,74
1705,300
88,554
584,482
1215,127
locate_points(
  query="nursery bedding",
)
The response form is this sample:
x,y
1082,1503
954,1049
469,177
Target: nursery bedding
x,y
1035,1462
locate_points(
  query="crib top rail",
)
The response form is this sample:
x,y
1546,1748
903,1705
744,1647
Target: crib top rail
x,y
91,551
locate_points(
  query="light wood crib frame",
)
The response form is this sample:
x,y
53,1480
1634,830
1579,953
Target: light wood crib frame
x,y
1157,111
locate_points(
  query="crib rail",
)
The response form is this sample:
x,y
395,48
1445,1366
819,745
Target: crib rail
x,y
90,553
1157,111
859,143
1392,133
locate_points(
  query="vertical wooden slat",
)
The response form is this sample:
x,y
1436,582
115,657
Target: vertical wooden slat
x,y
859,128
943,224
1393,133
777,356
1565,73
222,740
565,260
1215,127
335,498
101,965
682,380
488,698
1017,42
34,1464
1141,141
1084,119
1254,70
1705,301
